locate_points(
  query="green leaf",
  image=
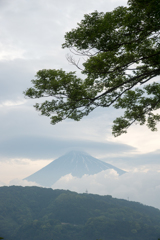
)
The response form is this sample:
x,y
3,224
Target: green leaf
x,y
121,54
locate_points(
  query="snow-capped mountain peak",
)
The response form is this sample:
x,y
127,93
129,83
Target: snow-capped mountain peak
x,y
75,162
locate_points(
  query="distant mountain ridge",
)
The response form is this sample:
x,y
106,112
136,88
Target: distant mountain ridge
x,y
76,163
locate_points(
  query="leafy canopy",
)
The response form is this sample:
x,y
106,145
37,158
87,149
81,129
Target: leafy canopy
x,y
122,52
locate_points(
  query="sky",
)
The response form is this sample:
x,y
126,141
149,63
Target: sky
x,y
31,36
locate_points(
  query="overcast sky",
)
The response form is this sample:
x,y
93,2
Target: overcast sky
x,y
31,36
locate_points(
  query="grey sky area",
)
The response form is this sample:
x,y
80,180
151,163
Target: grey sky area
x,y
31,36
36,147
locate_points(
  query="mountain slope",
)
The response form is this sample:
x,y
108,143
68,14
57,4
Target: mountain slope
x,y
76,163
39,213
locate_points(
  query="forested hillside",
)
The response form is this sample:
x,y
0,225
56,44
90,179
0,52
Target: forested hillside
x,y
39,213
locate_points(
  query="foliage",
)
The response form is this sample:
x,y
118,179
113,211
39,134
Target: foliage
x,y
122,52
40,213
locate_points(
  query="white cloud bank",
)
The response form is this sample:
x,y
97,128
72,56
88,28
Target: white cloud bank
x,y
140,186
23,183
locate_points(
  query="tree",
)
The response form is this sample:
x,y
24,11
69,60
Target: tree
x,y
122,51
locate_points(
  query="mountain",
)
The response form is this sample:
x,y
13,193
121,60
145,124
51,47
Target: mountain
x,y
76,163
36,213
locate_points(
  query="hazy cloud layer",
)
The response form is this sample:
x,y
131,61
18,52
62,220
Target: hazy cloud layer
x,y
37,147
133,160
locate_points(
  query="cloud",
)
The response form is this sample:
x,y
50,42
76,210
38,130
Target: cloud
x,y
38,147
139,136
18,168
42,32
150,160
27,135
2,184
23,183
141,186
16,75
